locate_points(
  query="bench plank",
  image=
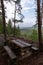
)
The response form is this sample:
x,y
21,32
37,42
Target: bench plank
x,y
9,52
27,44
34,48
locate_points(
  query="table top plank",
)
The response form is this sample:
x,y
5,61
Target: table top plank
x,y
25,43
18,44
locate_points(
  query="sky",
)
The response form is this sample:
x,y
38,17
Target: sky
x,y
28,10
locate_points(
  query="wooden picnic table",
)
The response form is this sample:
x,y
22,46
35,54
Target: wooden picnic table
x,y
20,48
19,44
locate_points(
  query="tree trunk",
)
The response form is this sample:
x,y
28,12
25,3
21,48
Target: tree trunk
x,y
39,25
14,18
42,10
4,22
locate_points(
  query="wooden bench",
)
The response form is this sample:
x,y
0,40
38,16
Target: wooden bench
x,y
9,52
22,42
34,49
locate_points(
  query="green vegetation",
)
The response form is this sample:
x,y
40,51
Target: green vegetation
x,y
9,27
1,25
17,31
34,35
30,34
27,33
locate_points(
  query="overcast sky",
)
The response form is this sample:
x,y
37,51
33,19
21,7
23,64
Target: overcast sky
x,y
28,10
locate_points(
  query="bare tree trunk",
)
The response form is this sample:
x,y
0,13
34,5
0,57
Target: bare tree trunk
x,y
14,18
42,10
39,25
3,16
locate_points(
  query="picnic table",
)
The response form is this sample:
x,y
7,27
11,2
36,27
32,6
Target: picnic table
x,y
19,44
22,47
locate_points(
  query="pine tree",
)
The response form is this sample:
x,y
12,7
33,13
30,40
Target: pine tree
x,y
1,25
9,27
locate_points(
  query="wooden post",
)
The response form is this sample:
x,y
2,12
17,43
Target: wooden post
x,y
39,25
4,22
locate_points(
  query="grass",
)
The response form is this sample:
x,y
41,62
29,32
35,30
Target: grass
x,y
26,34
